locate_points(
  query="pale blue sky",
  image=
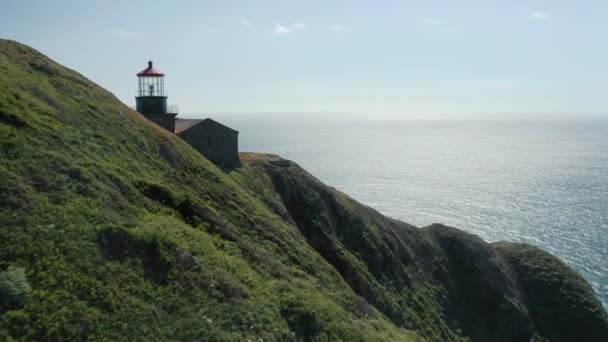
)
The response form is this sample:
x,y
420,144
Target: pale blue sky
x,y
372,57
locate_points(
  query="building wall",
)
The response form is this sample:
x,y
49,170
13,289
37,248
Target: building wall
x,y
151,104
166,121
217,143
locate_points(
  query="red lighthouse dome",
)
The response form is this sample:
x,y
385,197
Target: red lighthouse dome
x,y
150,71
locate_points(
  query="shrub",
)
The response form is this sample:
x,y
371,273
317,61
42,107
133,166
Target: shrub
x,y
13,287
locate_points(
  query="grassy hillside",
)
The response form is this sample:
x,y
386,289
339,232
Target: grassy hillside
x,y
126,233
113,229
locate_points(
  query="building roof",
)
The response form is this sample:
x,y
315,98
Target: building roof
x,y
182,125
150,71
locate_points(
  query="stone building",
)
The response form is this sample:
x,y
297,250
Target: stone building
x,y
216,142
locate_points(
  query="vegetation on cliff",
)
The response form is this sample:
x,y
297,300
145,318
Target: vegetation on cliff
x,y
439,281
113,229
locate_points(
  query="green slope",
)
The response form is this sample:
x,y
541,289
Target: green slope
x,y
113,229
126,233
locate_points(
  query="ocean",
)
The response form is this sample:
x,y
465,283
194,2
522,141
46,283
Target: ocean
x,y
539,180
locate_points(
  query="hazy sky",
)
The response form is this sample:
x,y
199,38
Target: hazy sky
x,y
374,56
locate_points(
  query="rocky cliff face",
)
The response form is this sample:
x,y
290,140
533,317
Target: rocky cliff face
x,y
463,285
113,229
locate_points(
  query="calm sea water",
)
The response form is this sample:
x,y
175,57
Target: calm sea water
x,y
541,181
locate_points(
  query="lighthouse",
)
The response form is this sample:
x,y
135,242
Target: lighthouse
x,y
216,142
151,98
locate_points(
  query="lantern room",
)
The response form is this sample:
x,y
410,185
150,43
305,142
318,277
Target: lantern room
x,y
151,82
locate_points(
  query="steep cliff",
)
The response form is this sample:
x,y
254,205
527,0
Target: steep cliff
x,y
113,229
438,275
